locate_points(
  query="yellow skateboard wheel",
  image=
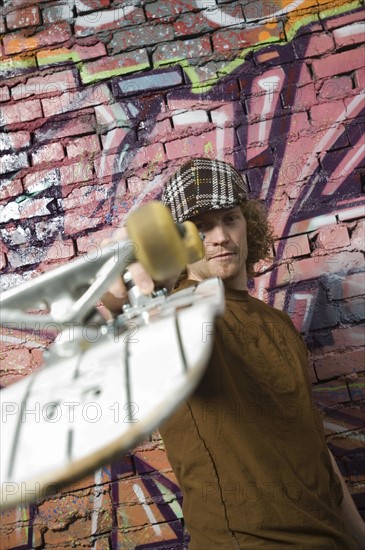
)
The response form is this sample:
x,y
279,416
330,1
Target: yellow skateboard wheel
x,y
159,246
192,242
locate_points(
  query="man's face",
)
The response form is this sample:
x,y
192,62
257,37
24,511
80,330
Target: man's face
x,y
225,248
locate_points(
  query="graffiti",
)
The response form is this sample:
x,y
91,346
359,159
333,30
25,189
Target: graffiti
x,y
99,102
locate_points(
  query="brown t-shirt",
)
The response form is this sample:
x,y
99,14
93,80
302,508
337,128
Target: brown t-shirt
x,y
248,448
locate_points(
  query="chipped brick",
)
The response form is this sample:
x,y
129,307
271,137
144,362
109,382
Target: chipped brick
x,y
53,14
334,365
349,35
108,20
325,114
203,145
75,101
14,140
13,162
339,63
292,247
4,94
333,237
28,110
330,393
86,146
195,48
139,37
48,153
10,188
53,34
65,128
335,88
56,83
26,17
317,45
119,64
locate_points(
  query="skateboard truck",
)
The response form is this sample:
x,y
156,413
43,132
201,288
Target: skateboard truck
x,y
67,295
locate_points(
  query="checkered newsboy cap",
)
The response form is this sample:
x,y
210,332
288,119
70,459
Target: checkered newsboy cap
x,y
201,185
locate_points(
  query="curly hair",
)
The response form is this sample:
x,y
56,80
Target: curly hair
x,y
260,234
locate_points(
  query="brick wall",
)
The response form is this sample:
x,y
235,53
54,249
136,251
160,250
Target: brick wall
x,y
100,100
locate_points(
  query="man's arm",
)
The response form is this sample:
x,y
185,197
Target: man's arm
x,y
350,513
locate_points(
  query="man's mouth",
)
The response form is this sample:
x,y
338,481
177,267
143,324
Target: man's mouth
x,y
223,256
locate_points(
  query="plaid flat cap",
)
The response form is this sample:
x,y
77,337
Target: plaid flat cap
x,y
201,185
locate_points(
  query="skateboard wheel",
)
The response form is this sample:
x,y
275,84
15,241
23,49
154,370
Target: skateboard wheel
x,y
192,242
158,244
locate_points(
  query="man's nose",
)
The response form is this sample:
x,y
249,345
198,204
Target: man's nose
x,y
218,235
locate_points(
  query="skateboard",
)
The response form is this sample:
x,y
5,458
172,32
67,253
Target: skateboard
x,y
104,385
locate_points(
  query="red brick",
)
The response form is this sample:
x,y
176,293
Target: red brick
x,y
236,39
189,23
3,261
119,64
299,99
325,114
160,131
48,153
353,285
131,539
69,174
357,387
344,62
333,237
14,140
10,188
293,247
334,365
151,460
75,101
310,268
92,5
65,128
263,106
62,12
196,48
74,54
54,84
139,37
93,242
27,110
28,255
343,419
4,94
13,162
202,145
14,538
349,35
151,154
87,145
317,45
18,360
166,10
343,19
334,88
26,17
53,34
331,392
339,339
108,20
360,78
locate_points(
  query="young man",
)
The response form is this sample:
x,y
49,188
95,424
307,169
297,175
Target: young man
x,y
247,447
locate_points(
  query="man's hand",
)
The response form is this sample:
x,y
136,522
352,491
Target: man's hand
x,y
117,294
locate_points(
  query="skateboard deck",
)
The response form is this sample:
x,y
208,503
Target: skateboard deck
x,y
104,387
